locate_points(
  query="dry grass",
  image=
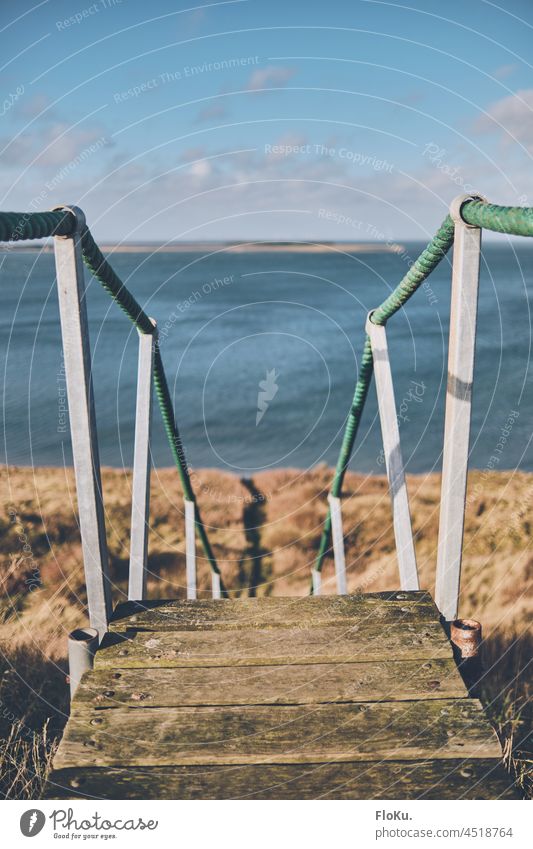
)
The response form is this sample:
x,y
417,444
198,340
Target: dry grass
x,y
507,693
265,534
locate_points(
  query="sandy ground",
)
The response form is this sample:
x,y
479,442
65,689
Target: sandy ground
x,y
265,534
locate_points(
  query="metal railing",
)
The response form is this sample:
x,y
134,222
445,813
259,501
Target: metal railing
x,y
74,245
462,228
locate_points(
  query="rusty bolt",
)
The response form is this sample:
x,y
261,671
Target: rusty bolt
x,y
465,634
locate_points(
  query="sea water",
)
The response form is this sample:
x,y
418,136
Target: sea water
x,y
262,352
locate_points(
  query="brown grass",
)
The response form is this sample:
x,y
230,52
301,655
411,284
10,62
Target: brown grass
x,y
265,535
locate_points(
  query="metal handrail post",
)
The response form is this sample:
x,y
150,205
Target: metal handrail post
x,y
401,516
190,547
78,372
461,352
140,496
338,543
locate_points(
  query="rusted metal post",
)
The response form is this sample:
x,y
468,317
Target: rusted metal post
x,y
465,635
82,645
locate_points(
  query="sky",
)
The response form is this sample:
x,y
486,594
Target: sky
x,y
248,119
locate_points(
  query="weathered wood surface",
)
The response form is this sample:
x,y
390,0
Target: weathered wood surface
x,y
303,734
313,612
459,778
273,646
330,697
254,685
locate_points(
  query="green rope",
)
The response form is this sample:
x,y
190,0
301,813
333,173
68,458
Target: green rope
x,y
421,268
176,446
513,220
104,273
16,226
20,226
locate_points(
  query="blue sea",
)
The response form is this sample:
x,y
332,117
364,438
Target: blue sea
x,y
262,352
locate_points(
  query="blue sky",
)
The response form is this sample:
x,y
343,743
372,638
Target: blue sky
x,y
241,120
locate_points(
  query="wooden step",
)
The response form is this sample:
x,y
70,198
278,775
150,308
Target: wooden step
x,y
314,612
253,685
449,728
275,646
331,697
454,778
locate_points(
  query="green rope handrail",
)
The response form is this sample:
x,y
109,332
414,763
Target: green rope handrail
x,y
513,220
19,226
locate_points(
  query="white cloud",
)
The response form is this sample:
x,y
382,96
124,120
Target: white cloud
x,y
34,107
200,169
51,146
215,112
511,118
271,76
504,71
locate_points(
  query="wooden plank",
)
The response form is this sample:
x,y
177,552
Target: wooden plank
x,y
253,685
273,646
273,612
443,728
450,779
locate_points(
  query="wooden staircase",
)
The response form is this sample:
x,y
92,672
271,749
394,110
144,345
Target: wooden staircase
x,y
346,697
